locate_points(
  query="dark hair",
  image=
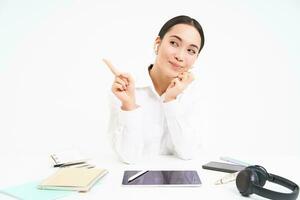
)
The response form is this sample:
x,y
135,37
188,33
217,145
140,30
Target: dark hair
x,y
182,19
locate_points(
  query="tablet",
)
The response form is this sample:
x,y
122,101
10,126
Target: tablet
x,y
168,178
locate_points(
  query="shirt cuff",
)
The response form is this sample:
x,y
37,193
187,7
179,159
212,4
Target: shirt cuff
x,y
171,109
130,118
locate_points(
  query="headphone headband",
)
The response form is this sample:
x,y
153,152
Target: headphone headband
x,y
258,189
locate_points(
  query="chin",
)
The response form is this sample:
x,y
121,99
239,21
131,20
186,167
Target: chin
x,y
172,73
169,71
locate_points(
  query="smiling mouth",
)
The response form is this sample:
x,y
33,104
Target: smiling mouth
x,y
176,66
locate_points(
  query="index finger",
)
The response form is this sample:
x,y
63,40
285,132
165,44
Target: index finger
x,y
111,67
127,76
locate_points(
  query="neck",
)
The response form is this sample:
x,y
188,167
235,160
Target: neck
x,y
160,81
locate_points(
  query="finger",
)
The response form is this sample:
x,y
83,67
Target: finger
x,y
180,76
184,76
120,81
171,84
117,87
174,82
128,77
124,79
190,78
111,67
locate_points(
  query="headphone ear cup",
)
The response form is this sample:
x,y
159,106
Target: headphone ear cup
x,y
245,181
262,175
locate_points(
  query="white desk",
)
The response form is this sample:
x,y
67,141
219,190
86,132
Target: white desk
x,y
16,169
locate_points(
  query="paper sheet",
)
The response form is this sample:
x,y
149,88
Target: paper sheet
x,y
29,191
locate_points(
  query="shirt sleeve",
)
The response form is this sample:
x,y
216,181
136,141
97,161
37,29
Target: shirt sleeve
x,y
125,130
181,118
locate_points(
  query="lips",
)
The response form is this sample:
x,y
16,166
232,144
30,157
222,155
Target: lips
x,y
175,65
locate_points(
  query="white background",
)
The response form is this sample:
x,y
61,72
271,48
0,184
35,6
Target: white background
x,y
54,87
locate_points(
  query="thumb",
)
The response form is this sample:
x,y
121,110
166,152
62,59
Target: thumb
x,y
128,77
174,82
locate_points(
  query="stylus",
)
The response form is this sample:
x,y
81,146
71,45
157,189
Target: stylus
x,y
234,161
132,178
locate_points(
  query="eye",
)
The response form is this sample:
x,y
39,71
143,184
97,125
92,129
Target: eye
x,y
174,44
191,51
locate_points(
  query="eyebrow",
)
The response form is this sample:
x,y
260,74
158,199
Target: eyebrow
x,y
193,45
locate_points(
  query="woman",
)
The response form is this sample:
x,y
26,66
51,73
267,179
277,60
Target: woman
x,y
158,115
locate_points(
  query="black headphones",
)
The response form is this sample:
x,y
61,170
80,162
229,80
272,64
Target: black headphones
x,y
252,179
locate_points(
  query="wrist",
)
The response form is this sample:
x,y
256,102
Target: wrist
x,y
169,98
127,106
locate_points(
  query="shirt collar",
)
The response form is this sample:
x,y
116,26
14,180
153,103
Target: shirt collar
x,y
144,79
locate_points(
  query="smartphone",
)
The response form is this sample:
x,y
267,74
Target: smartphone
x,y
223,167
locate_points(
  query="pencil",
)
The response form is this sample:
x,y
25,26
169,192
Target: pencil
x,y
111,67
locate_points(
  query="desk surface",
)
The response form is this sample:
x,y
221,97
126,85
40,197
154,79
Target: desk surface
x,y
16,169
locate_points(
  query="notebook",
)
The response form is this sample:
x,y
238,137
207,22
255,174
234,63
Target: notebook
x,y
67,157
29,191
79,179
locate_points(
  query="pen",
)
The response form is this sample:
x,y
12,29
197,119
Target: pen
x,y
226,179
68,164
234,161
132,178
111,67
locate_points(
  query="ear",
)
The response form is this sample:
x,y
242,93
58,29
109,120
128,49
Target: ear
x,y
157,43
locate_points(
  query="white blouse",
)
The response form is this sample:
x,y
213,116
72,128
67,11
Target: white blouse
x,y
155,127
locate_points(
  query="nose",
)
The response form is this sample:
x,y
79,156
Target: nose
x,y
179,55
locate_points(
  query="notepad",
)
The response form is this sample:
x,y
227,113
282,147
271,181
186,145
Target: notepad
x,y
29,191
67,157
79,179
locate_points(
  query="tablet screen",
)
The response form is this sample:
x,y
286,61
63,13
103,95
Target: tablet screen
x,y
179,178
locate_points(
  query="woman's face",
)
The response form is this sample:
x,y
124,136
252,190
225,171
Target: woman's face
x,y
178,50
